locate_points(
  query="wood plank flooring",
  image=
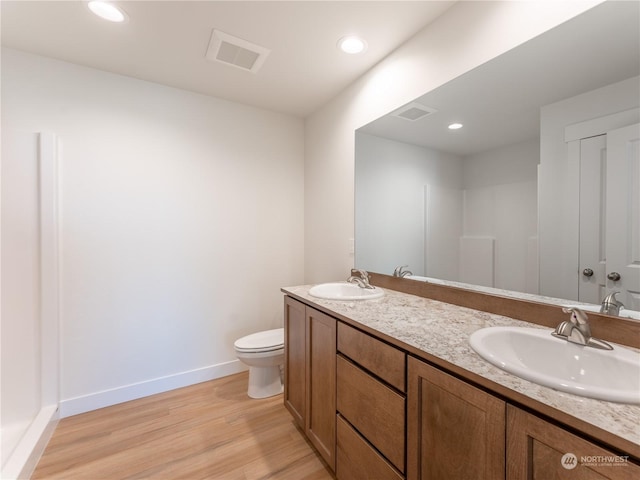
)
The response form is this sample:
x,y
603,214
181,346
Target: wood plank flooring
x,y
212,430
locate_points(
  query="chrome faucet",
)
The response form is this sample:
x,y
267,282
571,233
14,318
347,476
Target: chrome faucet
x,y
362,281
577,330
401,272
611,305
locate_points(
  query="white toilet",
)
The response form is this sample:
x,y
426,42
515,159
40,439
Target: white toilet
x,y
264,353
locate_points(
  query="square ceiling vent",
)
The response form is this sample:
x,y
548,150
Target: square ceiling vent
x,y
413,111
236,52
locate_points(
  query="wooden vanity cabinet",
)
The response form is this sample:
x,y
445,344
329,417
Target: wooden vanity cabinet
x,y
371,407
357,459
372,411
537,449
454,430
457,431
379,358
310,375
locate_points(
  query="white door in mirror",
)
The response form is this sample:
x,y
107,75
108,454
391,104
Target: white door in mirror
x,y
623,214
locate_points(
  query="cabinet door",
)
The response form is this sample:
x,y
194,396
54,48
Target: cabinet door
x,y
539,450
357,459
295,359
383,360
374,409
320,424
455,431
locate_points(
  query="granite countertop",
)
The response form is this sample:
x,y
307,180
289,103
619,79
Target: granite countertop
x,y
442,330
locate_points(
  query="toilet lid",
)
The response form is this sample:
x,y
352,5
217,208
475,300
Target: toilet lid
x,y
261,341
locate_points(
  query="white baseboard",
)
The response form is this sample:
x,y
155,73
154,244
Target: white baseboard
x,y
106,398
25,457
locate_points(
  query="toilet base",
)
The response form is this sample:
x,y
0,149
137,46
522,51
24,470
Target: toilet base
x,y
265,382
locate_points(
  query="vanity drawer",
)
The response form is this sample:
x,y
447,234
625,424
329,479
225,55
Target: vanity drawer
x,y
374,409
381,359
357,460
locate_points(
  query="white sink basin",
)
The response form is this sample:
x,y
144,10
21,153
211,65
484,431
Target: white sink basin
x,y
344,291
533,354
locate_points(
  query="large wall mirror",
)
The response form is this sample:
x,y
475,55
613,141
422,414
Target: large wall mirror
x,y
518,198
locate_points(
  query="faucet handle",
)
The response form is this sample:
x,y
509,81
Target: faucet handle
x,y
362,281
577,327
363,274
577,330
399,270
578,317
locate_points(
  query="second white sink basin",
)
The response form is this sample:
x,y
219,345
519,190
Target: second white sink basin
x,y
533,354
344,291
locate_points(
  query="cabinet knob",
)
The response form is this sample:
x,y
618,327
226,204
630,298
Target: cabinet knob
x,y
615,276
587,272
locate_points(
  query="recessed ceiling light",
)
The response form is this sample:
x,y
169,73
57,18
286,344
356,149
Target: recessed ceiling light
x,y
107,11
352,44
455,126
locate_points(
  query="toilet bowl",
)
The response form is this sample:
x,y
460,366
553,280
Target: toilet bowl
x,y
263,352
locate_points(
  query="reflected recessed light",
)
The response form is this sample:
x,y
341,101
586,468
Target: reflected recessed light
x,y
352,44
107,11
455,126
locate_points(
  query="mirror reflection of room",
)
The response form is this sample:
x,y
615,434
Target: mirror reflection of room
x,y
523,196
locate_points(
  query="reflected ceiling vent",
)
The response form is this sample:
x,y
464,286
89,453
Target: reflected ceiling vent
x,y
413,111
236,52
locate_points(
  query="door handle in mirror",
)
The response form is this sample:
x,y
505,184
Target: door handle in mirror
x,y
615,276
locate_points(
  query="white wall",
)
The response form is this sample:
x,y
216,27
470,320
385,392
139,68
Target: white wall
x,y
467,35
390,200
181,219
500,202
514,163
413,205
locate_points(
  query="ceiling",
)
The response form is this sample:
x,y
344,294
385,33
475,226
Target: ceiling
x,y
499,102
166,41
